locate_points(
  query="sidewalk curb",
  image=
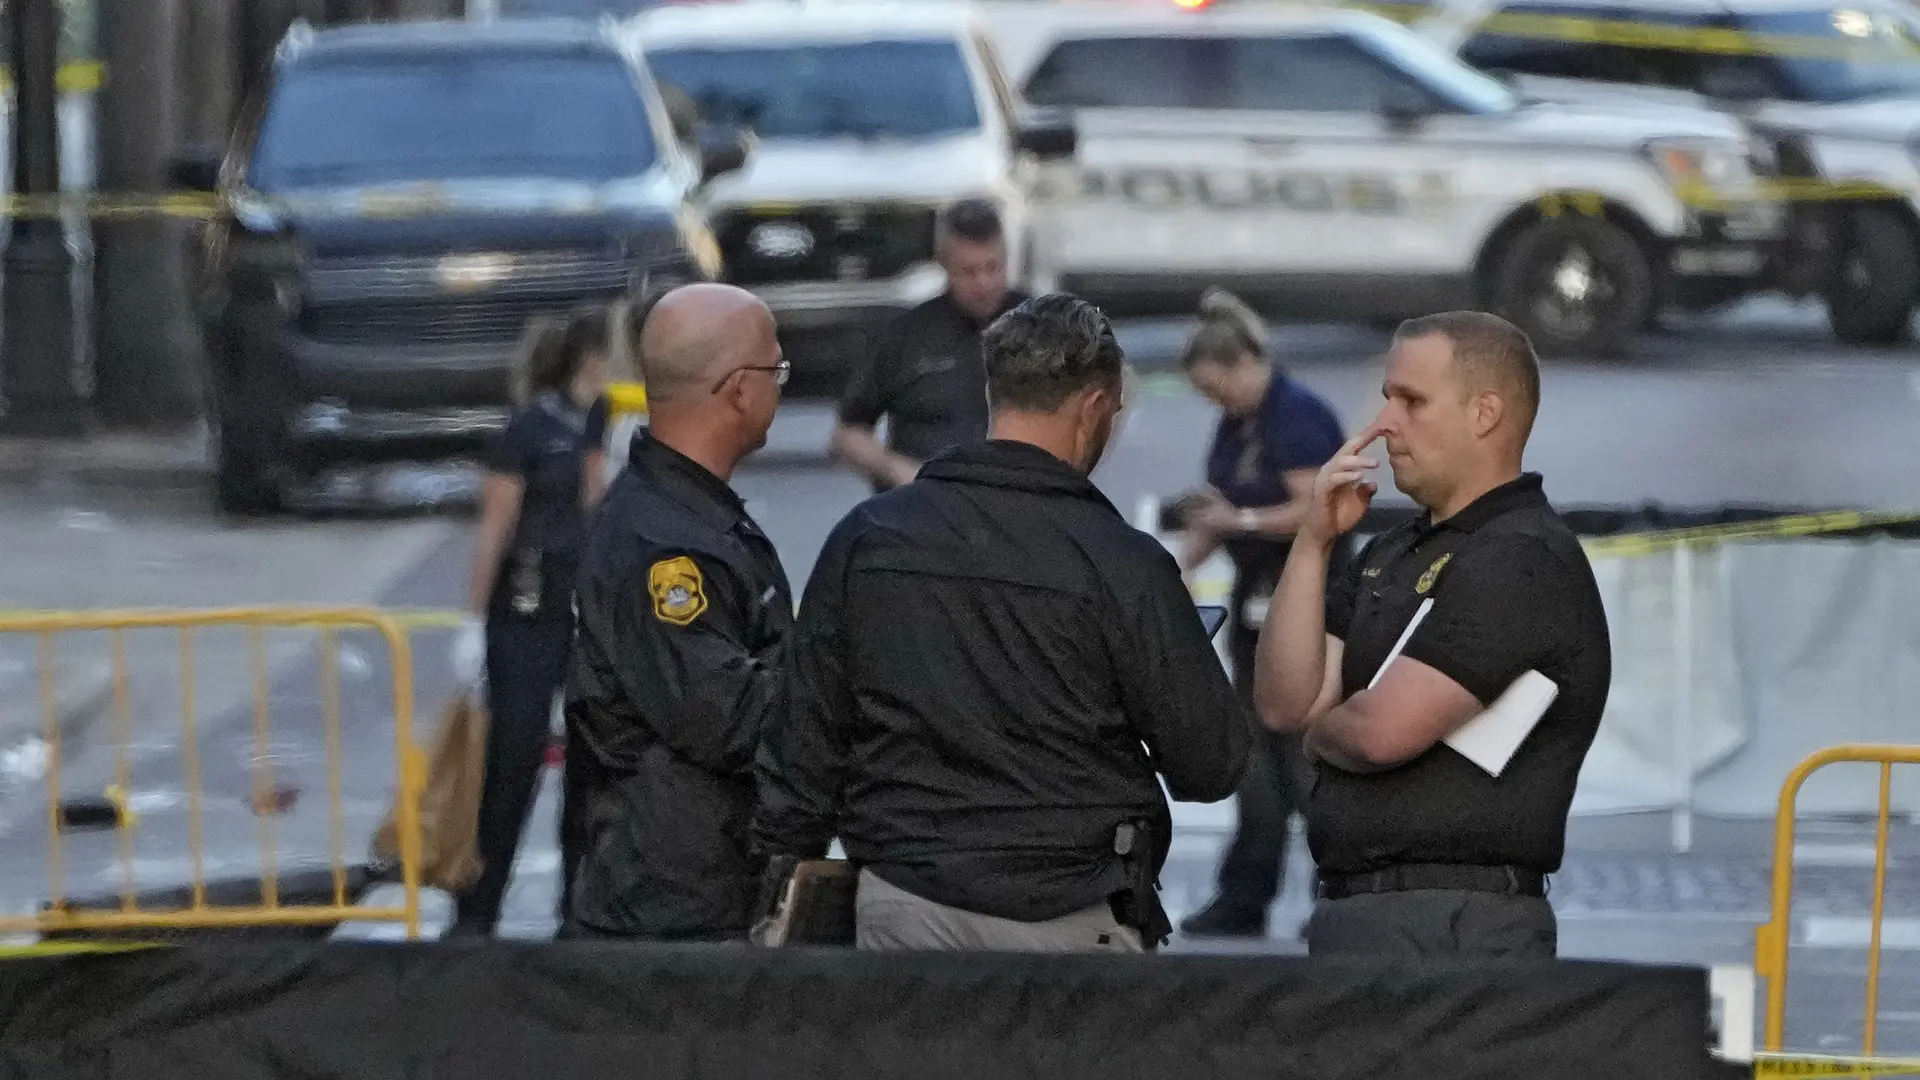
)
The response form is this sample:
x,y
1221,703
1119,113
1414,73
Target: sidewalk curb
x,y
104,474
107,460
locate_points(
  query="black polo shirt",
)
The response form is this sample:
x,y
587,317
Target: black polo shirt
x,y
1513,591
546,445
926,375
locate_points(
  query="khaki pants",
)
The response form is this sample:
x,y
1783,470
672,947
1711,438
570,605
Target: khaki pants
x,y
887,917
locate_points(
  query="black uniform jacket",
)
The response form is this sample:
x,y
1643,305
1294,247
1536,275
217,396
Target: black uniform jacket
x,y
684,613
989,670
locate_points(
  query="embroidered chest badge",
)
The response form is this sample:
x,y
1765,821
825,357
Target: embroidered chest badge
x,y
1426,580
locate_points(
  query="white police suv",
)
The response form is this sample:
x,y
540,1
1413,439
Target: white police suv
x,y
1831,88
1330,165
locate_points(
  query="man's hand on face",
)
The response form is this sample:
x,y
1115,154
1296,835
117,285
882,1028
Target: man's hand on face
x,y
1342,492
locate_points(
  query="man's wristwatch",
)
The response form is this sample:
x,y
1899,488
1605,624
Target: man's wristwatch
x,y
1249,521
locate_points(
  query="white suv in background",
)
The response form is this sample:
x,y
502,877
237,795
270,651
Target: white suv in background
x,y
1329,165
869,118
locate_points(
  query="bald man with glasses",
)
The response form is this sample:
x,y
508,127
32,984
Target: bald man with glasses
x,y
684,613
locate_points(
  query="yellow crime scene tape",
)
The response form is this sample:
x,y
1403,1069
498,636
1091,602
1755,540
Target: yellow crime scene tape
x,y
1648,35
73,77
1792,525
627,397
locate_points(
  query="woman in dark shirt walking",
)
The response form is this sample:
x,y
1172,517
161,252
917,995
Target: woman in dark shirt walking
x,y
1273,437
544,473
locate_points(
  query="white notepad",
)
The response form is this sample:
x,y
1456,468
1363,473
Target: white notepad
x,y
1490,739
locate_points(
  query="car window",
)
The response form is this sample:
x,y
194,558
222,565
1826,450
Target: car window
x,y
1324,73
1875,52
1129,73
1525,40
383,120
905,89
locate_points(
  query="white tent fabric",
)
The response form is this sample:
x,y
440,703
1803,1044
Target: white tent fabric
x,y
1732,663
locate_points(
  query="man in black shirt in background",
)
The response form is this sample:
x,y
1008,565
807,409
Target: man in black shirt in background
x,y
990,674
924,373
1420,850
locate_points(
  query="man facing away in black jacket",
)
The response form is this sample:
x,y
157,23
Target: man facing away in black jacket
x,y
991,671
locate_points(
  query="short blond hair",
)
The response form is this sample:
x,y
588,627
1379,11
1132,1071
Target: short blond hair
x,y
1490,354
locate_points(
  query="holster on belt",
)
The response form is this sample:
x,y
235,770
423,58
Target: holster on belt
x,y
806,902
1138,844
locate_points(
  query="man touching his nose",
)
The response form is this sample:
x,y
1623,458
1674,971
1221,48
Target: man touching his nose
x,y
1420,850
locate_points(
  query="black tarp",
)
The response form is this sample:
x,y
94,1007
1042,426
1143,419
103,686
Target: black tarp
x,y
587,1010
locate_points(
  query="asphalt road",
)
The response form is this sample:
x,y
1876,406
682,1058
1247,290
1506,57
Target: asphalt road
x,y
1759,410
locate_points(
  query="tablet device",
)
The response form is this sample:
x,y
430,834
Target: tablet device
x,y
1212,617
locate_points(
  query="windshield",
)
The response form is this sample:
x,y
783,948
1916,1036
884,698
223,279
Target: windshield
x,y
1473,90
1874,52
866,89
383,121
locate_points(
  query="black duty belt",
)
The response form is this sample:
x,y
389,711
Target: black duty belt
x,y
1510,880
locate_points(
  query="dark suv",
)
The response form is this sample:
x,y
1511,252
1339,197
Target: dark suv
x,y
398,205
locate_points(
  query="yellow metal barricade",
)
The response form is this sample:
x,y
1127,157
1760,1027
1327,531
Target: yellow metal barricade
x,y
189,626
1772,939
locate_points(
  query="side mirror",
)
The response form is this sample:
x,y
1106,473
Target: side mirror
x,y
194,172
722,153
1048,136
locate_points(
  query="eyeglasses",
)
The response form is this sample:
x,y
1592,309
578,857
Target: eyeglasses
x,y
780,372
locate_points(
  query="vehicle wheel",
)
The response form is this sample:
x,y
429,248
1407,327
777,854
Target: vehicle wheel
x,y
1581,286
1876,279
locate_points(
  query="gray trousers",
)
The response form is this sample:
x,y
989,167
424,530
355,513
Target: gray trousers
x,y
887,917
1433,922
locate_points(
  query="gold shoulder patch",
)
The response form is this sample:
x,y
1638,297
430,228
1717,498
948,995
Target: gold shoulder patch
x,y
675,585
1426,579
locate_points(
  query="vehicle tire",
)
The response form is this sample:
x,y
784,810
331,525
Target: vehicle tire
x,y
249,444
1578,286
1876,277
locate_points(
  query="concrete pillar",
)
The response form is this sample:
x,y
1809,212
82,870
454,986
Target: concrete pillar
x,y
149,353
38,378
210,73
